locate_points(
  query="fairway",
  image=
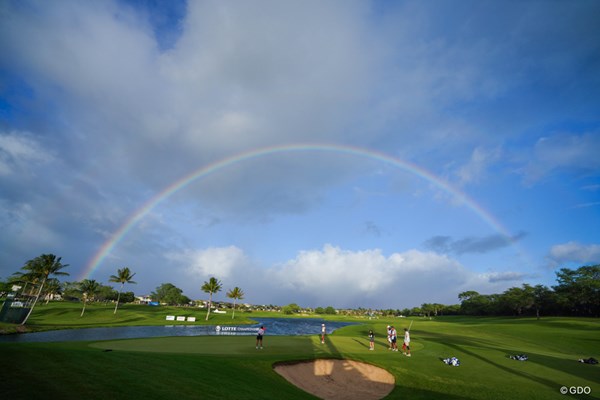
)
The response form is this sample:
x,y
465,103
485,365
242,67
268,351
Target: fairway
x,y
230,367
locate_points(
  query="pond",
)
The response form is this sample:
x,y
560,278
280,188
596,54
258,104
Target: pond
x,y
274,326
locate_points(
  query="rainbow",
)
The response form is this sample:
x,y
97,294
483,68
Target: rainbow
x,y
202,172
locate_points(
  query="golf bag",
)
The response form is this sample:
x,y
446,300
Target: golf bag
x,y
519,357
452,361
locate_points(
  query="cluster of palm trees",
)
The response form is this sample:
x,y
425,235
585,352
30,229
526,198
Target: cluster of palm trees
x,y
213,285
41,268
89,287
38,272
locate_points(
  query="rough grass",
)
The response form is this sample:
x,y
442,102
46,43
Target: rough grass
x,y
229,367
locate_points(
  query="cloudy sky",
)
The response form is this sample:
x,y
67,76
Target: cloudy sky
x,y
344,153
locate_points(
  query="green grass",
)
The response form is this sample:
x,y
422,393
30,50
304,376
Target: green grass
x,y
229,367
67,315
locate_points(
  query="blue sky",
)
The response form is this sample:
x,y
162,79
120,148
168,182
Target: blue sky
x,y
474,129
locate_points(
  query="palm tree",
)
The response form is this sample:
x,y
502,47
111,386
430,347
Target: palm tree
x,y
212,286
89,288
42,267
123,276
236,294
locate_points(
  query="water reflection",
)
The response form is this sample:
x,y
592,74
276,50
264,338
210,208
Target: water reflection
x,y
274,326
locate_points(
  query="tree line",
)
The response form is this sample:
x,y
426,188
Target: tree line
x,y
37,279
169,294
577,293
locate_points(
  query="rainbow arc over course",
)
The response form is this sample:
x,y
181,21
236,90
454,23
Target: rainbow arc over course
x,y
249,155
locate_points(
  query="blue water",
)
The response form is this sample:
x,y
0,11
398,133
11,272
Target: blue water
x,y
273,326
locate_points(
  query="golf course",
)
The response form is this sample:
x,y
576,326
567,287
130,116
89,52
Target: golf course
x,y
230,367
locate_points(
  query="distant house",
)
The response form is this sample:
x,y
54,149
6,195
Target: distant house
x,y
52,296
145,299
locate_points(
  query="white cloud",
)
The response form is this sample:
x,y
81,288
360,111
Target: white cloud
x,y
216,261
23,230
573,252
471,244
477,167
360,272
508,276
591,188
585,205
563,151
18,150
342,278
238,77
337,277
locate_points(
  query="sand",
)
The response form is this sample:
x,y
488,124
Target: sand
x,y
339,379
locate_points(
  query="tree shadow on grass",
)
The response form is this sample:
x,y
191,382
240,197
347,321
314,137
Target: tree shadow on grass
x,y
362,343
403,393
459,344
399,391
560,364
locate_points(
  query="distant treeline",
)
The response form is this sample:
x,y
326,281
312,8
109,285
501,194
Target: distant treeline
x,y
576,294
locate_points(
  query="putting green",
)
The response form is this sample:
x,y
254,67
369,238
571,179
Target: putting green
x,y
245,345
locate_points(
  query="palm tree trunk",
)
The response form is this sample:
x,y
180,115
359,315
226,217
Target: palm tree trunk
x,y
34,302
118,298
233,315
83,310
209,305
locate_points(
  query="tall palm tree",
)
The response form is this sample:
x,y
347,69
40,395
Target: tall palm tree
x,y
89,288
42,267
236,294
123,276
212,286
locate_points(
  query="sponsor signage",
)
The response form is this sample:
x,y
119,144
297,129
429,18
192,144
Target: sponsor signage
x,y
235,330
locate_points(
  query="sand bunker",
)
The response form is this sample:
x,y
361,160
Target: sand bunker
x,y
339,379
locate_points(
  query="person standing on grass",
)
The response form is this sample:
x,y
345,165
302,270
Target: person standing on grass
x,y
259,337
389,337
322,333
371,340
394,337
406,344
